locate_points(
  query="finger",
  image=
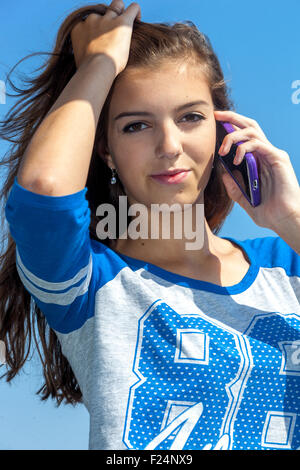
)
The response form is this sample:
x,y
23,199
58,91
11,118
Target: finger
x,y
252,125
93,12
239,136
133,10
235,118
116,8
254,145
235,193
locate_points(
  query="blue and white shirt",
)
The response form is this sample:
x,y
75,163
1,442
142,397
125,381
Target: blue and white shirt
x,y
164,361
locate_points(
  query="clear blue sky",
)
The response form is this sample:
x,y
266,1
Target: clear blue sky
x,y
258,46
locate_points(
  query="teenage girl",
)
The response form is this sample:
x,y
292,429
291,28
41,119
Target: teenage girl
x,y
167,347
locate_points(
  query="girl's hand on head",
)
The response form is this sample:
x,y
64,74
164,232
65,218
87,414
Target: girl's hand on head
x,y
280,191
109,34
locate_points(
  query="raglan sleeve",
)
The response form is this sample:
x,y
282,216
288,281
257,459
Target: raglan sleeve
x,y
54,258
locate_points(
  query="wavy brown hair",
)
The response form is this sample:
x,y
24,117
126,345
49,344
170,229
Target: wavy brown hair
x,y
151,44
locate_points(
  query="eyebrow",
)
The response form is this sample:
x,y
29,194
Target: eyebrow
x,y
142,113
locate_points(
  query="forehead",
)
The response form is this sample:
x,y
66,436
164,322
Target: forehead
x,y
171,84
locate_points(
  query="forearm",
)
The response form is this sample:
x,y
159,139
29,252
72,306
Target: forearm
x,y
290,233
60,151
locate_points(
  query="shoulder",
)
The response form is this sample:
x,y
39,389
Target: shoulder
x,y
273,252
107,261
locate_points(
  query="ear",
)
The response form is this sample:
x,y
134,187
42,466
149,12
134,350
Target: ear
x,y
104,154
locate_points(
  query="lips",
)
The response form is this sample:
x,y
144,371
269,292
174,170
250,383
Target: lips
x,y
172,177
171,172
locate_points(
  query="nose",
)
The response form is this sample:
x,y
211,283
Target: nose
x,y
169,142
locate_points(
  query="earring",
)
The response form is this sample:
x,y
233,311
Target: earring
x,y
113,178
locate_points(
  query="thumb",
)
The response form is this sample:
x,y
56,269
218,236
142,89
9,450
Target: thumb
x,y
230,185
234,191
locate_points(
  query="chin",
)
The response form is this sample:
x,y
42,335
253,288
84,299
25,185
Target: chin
x,y
179,198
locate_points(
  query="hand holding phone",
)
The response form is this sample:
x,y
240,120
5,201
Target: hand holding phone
x,y
246,173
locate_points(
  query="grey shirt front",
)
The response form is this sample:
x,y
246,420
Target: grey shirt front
x,y
164,361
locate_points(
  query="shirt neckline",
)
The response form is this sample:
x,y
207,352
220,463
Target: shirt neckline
x,y
185,281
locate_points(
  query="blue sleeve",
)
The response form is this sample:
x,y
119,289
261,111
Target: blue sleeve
x,y
54,258
272,252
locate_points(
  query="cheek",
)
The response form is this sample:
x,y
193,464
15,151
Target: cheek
x,y
209,141
131,169
202,146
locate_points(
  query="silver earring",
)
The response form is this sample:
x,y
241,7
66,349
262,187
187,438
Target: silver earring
x,y
113,178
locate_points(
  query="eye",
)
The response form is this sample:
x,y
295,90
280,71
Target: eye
x,y
195,115
126,128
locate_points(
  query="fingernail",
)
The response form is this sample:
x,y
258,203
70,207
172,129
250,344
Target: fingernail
x,y
225,149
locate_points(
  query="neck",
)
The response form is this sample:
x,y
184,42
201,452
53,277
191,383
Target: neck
x,y
174,242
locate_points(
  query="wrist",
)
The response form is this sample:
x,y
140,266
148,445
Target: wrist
x,y
103,62
290,232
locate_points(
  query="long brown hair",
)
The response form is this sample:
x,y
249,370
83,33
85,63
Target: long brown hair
x,y
151,44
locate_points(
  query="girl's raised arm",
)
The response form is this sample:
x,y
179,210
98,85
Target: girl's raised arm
x,y
57,159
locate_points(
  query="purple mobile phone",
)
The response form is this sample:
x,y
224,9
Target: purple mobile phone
x,y
246,173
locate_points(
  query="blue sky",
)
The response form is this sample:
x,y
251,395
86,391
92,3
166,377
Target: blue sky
x,y
257,44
